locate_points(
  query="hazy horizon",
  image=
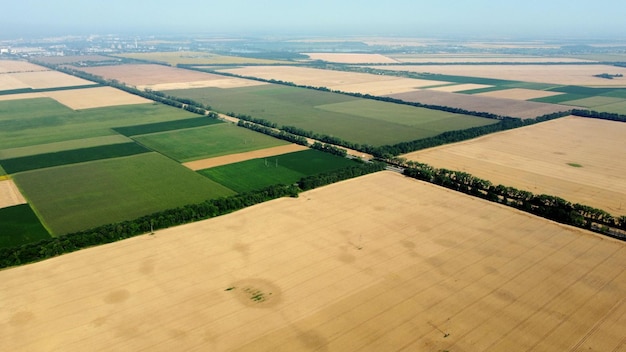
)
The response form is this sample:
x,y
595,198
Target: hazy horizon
x,y
558,18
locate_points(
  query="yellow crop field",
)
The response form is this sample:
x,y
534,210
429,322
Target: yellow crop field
x,y
582,75
196,58
12,66
337,80
158,77
88,98
575,158
238,157
10,195
377,263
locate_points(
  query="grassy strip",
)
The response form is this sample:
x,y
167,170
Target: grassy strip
x,y
19,225
40,161
165,126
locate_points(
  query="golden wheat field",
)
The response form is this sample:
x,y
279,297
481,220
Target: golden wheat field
x,y
10,195
519,94
575,158
97,97
377,263
159,77
556,74
363,83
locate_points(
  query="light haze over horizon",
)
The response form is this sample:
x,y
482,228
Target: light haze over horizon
x,y
504,18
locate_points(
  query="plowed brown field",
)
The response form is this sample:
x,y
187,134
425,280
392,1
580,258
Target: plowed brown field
x,y
378,263
575,158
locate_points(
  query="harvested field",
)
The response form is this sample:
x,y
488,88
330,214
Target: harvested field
x,y
197,58
59,60
351,58
498,106
364,83
519,94
480,58
9,194
542,159
97,97
582,75
18,66
21,96
362,272
160,77
235,158
48,79
8,82
459,87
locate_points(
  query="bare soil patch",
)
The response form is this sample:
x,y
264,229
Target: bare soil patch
x,y
235,158
575,158
381,262
351,58
10,195
557,74
519,94
337,80
88,98
498,106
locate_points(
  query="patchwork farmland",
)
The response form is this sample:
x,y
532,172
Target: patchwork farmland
x,y
380,262
450,273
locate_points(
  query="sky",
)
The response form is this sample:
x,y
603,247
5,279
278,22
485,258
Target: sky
x,y
491,18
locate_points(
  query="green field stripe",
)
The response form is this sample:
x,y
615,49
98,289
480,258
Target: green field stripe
x,y
40,161
20,225
43,90
165,126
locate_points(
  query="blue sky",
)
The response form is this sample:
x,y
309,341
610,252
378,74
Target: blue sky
x,y
348,17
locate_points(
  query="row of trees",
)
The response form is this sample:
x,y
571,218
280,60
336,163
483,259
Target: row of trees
x,y
51,247
599,115
274,132
547,206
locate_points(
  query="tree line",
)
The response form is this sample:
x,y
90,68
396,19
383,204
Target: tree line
x,y
599,115
51,247
547,206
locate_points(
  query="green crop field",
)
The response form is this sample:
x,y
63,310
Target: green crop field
x,y
206,142
617,108
62,146
592,102
81,196
19,225
282,169
40,161
31,122
166,126
356,120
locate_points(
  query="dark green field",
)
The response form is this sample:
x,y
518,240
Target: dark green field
x,y
206,142
282,169
40,161
42,120
353,119
81,196
19,225
166,126
599,99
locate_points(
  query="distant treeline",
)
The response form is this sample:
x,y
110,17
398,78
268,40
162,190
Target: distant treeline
x,y
599,115
51,247
547,206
